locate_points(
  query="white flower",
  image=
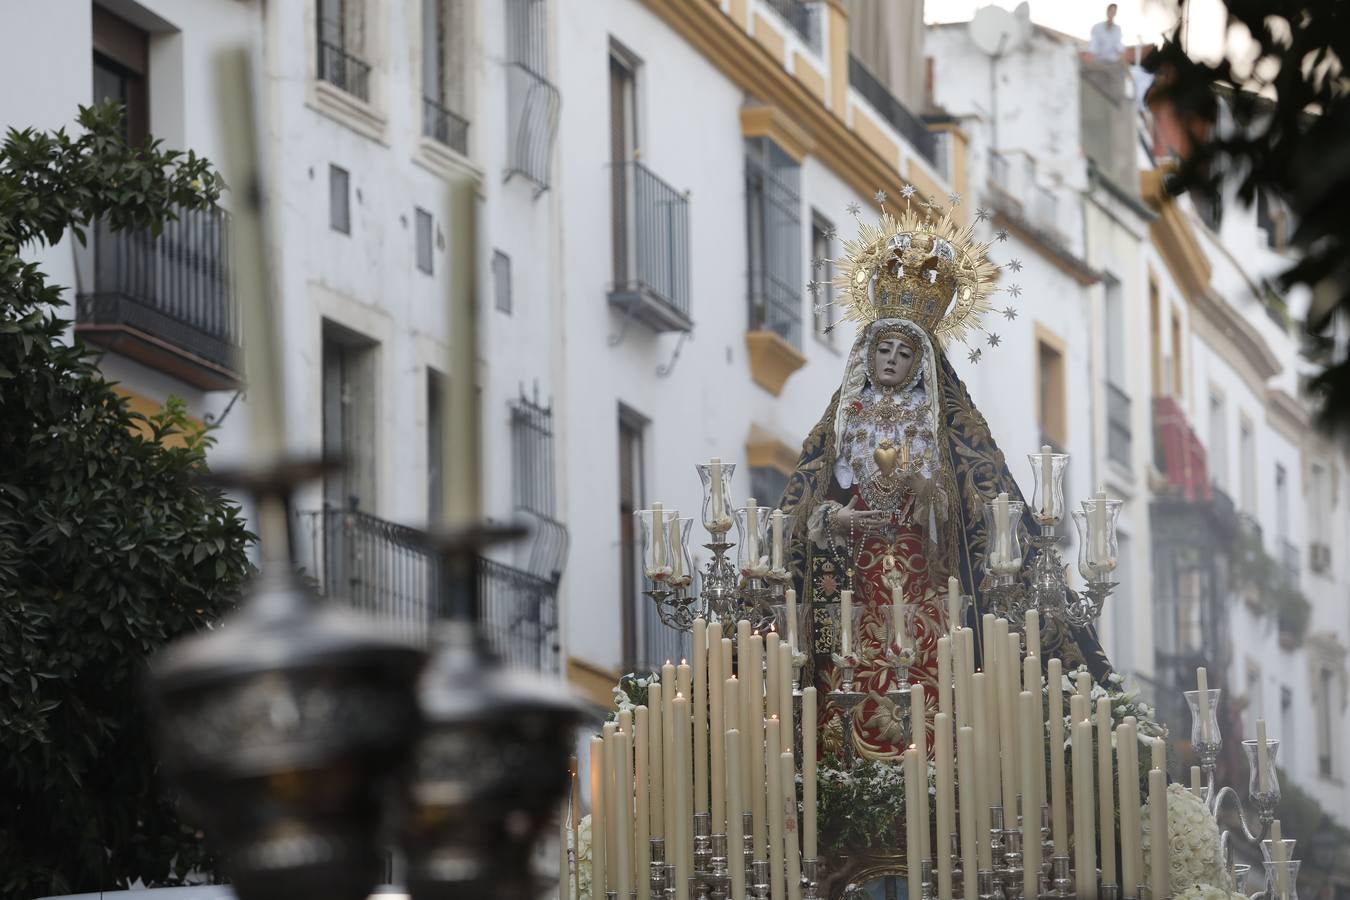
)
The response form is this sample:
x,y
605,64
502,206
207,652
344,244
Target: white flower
x,y
1115,678
583,860
1192,843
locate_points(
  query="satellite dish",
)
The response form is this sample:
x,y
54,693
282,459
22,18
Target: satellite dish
x,y
996,31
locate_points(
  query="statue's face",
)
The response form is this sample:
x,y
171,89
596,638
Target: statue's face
x,y
893,362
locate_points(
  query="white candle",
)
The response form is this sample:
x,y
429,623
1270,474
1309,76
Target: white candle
x,y
771,674
953,603
728,658
658,532
676,540
609,762
845,622
747,671
773,788
641,778
1157,801
754,714
944,655
1083,683
809,772
716,727
1131,804
984,773
776,522
1278,857
898,632
1031,682
1195,782
1262,758
791,596
965,761
734,808
918,711
620,811
1202,691
1047,482
1106,796
1129,833
598,816
1159,758
655,762
1059,808
787,780
962,702
669,821
913,853
733,718
1007,723
1033,630
683,775
715,484
1084,818
699,711
966,671
1031,847
752,530
946,811
564,844
785,695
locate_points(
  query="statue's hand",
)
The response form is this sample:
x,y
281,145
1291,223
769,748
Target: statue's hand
x,y
850,517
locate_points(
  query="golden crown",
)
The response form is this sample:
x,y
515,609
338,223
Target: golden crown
x,y
920,264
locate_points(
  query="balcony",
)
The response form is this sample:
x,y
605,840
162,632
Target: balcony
x,y
1290,563
1178,453
164,301
344,71
533,102
1119,441
449,128
906,124
651,249
801,17
385,571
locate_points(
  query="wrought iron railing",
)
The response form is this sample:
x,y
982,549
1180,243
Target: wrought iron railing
x,y
1000,172
651,236
386,571
1290,563
909,126
343,70
533,102
773,191
173,287
1118,435
440,124
657,643
802,16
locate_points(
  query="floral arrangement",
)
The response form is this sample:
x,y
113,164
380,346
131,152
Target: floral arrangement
x,y
862,808
1194,860
583,860
631,692
1124,703
1207,892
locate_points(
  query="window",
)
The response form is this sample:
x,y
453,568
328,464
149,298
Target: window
x,y
532,456
339,200
424,241
501,281
632,486
435,445
1178,370
1155,336
443,67
533,103
1326,717
1255,699
349,417
342,46
1281,502
1319,518
1218,440
1286,711
1247,462
1118,430
1051,394
121,70
623,150
822,275
773,232
767,484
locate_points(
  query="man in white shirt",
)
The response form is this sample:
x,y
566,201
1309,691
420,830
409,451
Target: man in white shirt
x,y
1107,43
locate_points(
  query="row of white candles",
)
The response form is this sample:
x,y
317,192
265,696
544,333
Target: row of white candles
x,y
710,742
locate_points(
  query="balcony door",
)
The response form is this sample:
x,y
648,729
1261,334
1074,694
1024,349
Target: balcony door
x,y
349,416
623,151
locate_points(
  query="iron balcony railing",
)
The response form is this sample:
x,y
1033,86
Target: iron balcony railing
x,y
167,289
1118,435
775,305
802,16
909,126
343,70
533,102
440,124
651,238
386,571
1290,563
1000,170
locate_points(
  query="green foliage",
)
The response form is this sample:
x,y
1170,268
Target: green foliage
x,y
631,692
862,808
110,545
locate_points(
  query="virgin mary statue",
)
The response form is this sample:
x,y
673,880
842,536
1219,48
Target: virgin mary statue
x,y
893,479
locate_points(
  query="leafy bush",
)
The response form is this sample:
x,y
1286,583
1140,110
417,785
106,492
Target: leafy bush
x,y
110,545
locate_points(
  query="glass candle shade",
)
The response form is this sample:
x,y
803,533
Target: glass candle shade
x,y
1282,880
717,511
1098,544
780,542
900,635
1268,849
1205,739
1047,499
1271,795
1240,871
854,626
753,548
792,631
1003,541
656,561
677,543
